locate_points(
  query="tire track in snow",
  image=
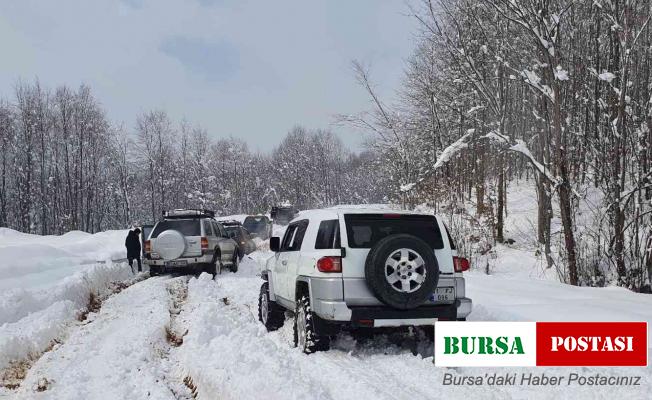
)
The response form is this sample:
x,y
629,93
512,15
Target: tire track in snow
x,y
177,380
232,356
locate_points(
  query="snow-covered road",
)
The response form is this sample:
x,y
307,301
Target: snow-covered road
x,y
172,338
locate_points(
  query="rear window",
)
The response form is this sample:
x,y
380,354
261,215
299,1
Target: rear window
x,y
328,236
365,230
187,227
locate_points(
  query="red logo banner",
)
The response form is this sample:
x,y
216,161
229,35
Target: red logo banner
x,y
592,344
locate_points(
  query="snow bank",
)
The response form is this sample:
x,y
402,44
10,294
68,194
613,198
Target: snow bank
x,y
46,281
30,319
113,357
38,261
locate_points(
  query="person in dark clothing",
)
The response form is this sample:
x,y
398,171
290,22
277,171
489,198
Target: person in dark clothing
x,y
133,248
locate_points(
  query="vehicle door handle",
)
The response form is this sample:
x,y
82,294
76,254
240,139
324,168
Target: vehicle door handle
x,y
284,262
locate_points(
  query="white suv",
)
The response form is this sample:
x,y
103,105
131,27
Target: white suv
x,y
190,241
361,268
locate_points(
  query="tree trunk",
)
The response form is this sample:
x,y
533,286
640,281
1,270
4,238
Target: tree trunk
x,y
501,202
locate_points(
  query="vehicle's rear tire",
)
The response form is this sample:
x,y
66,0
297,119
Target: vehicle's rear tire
x,y
305,336
235,263
269,313
402,271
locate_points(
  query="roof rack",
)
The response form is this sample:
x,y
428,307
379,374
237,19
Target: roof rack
x,y
189,213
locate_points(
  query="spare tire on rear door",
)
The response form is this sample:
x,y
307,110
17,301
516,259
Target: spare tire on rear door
x,y
169,244
402,271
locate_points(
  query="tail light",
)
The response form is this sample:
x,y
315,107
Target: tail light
x,y
461,264
204,244
329,264
148,246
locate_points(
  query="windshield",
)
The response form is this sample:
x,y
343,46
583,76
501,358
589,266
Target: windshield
x,y
255,224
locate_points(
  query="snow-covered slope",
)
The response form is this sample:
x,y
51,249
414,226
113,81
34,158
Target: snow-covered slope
x,y
31,261
47,281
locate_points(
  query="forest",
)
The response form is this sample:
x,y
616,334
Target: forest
x,y
554,94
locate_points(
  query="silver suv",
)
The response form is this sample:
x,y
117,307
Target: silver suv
x,y
361,268
190,241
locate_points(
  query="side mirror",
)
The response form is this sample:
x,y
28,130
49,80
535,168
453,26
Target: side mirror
x,y
275,244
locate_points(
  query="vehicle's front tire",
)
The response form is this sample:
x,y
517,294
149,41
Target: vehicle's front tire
x,y
269,313
154,270
305,336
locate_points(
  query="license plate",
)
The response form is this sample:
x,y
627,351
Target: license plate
x,y
444,294
176,263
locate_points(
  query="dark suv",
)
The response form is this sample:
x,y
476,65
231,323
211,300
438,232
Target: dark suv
x,y
259,226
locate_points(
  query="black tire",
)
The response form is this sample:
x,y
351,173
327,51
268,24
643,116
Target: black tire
x,y
305,336
269,313
235,263
407,269
154,270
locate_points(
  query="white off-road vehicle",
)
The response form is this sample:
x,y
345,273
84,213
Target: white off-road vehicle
x,y
190,241
361,268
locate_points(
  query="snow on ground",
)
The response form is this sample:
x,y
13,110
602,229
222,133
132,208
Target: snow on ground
x,y
230,355
32,319
31,261
122,352
46,282
116,355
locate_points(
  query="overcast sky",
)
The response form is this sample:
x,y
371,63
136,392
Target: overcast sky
x,y
249,69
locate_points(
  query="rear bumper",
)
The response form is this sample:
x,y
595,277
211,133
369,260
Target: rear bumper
x,y
336,311
384,316
328,302
191,262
